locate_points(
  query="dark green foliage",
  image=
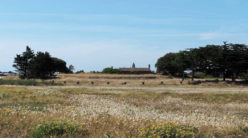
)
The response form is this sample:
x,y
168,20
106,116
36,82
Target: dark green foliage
x,y
228,60
111,70
169,64
202,75
22,63
80,71
55,128
41,65
71,68
245,130
170,130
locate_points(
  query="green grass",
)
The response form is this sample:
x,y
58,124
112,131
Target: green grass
x,y
56,128
222,98
169,130
29,82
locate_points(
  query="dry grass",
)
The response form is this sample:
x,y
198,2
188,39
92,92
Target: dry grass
x,y
124,111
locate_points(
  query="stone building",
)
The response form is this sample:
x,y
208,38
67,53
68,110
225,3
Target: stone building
x,y
134,70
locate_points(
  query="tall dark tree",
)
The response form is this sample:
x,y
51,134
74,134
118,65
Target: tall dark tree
x,y
44,66
229,60
210,59
41,65
171,64
193,60
59,65
22,63
71,68
237,60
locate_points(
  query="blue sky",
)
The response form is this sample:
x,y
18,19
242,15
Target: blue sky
x,y
93,34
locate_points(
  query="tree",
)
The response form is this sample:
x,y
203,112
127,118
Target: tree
x,y
41,65
44,66
80,71
170,63
22,63
111,70
59,65
71,68
237,57
229,60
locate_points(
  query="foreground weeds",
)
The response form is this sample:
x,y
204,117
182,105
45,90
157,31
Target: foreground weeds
x,y
169,130
110,112
56,128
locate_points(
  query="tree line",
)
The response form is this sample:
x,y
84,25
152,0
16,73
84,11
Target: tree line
x,y
227,61
40,65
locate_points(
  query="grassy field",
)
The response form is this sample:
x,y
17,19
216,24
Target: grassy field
x,y
116,110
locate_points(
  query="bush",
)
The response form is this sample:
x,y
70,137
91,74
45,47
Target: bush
x,y
245,130
111,70
169,130
80,71
55,128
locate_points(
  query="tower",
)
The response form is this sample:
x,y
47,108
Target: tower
x,y
149,66
133,66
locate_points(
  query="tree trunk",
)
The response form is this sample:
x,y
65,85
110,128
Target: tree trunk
x,y
233,77
183,77
224,76
193,75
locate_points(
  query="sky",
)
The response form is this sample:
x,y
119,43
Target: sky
x,y
94,34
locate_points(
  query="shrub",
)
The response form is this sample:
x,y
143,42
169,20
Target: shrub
x,y
80,71
55,128
111,70
169,130
245,130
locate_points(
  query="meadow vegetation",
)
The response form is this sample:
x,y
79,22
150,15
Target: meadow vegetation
x,y
28,82
133,110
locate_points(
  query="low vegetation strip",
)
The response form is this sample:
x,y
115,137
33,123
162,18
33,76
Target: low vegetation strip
x,y
56,128
99,77
29,82
169,130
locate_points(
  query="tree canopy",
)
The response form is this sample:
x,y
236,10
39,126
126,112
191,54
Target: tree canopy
x,y
40,65
227,60
111,70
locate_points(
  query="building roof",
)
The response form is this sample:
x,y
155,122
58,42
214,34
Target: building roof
x,y
135,69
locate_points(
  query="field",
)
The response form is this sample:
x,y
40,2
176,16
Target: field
x,y
143,106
